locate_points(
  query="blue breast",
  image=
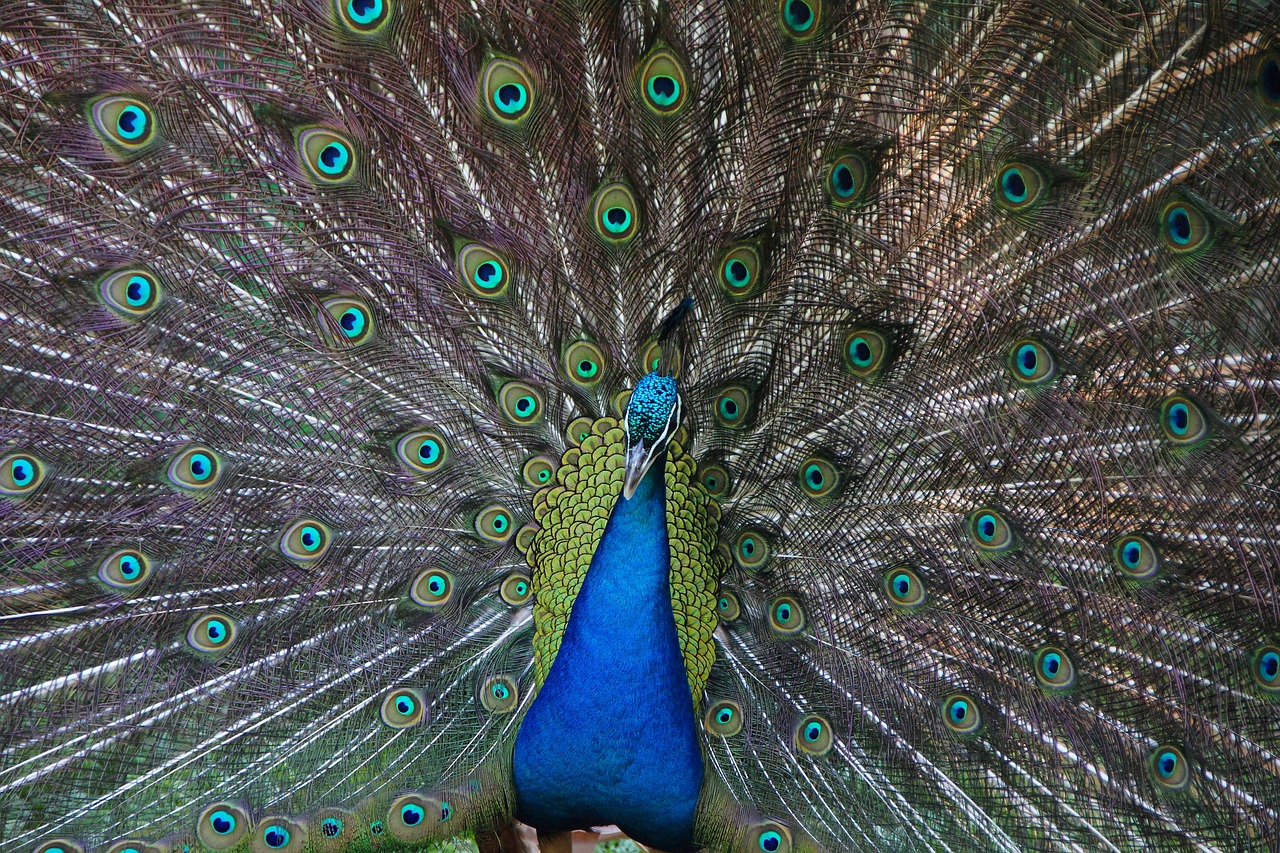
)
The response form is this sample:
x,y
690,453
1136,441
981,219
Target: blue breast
x,y
612,736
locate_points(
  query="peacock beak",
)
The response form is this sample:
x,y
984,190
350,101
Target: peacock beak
x,y
639,460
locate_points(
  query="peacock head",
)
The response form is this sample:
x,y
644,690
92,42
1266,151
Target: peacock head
x,y
653,414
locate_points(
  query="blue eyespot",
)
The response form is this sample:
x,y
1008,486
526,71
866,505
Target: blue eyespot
x,y
488,276
223,822
412,814
860,352
961,714
275,836
1179,419
331,827
842,181
364,12
663,90
352,322
138,291
798,17
1014,186
1169,768
1266,668
617,220
511,98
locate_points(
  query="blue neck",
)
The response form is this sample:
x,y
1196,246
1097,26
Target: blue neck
x,y
611,736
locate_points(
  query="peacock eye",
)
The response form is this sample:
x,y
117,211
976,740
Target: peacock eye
x,y
221,826
403,707
126,125
960,713
364,17
1184,228
196,469
276,835
326,155
1183,421
847,180
211,633
431,587
584,364
483,271
516,589
495,524
813,735
731,407
125,569
818,477
20,474
538,471
904,587
991,531
1266,668
131,293
305,540
1268,78
785,615
1053,668
346,321
723,718
1135,557
740,271
1169,768
423,451
615,213
715,479
653,357
1030,363
727,607
498,694
751,550
663,86
521,403
865,353
800,17
1020,187
508,91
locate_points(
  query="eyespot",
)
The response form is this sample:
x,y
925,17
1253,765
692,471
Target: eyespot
x,y
125,569
800,21
961,714
865,352
579,429
731,407
1053,668
431,587
615,213
20,474
278,833
1183,421
1268,78
364,17
740,271
990,531
715,479
904,587
751,550
539,471
129,845
196,468
1020,186
330,828
484,272
770,836
786,615
521,403
1266,668
1135,557
346,322
818,477
584,364
495,524
423,451
517,589
1184,228
328,157
130,293
305,540
813,735
847,180
524,537
222,825
404,707
66,845
1031,363
211,633
662,83
727,607
1169,768
723,719
653,357
507,90
126,125
499,694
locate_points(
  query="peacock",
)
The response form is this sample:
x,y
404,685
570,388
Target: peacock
x,y
769,427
